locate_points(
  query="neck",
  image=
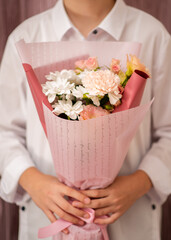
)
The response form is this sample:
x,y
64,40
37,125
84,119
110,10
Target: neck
x,y
87,14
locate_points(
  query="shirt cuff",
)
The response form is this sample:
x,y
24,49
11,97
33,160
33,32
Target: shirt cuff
x,y
10,190
160,177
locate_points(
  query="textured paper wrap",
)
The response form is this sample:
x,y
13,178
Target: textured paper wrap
x,y
89,231
89,154
86,154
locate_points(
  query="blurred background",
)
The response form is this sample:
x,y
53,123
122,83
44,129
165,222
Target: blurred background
x,y
12,13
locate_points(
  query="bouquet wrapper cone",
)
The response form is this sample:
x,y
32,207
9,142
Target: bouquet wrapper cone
x,y
86,154
133,91
37,94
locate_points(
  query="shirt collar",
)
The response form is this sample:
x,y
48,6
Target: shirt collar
x,y
113,23
61,20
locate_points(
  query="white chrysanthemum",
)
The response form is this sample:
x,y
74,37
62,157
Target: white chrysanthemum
x,y
49,89
58,87
71,76
68,108
84,73
95,100
67,74
79,91
64,74
52,76
68,97
114,97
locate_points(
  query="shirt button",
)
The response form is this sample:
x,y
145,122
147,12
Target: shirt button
x,y
153,206
23,208
95,31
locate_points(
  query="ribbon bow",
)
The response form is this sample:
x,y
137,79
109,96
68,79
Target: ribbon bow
x,y
61,224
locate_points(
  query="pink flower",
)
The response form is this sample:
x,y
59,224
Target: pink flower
x,y
115,66
101,82
80,64
89,64
90,111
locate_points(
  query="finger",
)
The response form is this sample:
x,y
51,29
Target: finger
x,y
95,203
50,216
67,207
96,193
67,217
108,220
76,195
53,219
65,231
103,211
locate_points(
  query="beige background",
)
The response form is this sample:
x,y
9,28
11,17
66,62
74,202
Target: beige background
x,y
13,12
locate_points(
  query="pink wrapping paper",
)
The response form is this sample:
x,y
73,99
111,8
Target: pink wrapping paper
x,y
134,88
87,154
89,231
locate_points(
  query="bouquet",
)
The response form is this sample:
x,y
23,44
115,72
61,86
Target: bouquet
x,y
87,154
91,91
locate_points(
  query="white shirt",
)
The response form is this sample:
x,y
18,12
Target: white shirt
x,y
23,143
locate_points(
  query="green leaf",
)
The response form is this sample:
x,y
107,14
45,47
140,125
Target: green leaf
x,y
104,100
108,107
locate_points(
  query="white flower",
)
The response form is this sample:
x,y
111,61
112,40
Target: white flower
x,y
49,89
79,91
58,87
69,97
68,108
84,73
64,74
114,97
95,100
67,74
52,76
71,76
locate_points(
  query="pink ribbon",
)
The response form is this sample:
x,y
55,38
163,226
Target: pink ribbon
x,y
61,224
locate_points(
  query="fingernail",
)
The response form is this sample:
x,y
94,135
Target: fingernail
x,y
81,223
87,200
76,204
96,222
86,215
66,231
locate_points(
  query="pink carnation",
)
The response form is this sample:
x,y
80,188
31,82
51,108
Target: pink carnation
x,y
89,64
90,111
101,82
115,65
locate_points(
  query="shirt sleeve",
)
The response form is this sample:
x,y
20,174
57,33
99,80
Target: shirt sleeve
x,y
14,157
157,162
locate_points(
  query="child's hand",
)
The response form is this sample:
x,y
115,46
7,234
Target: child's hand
x,y
48,193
